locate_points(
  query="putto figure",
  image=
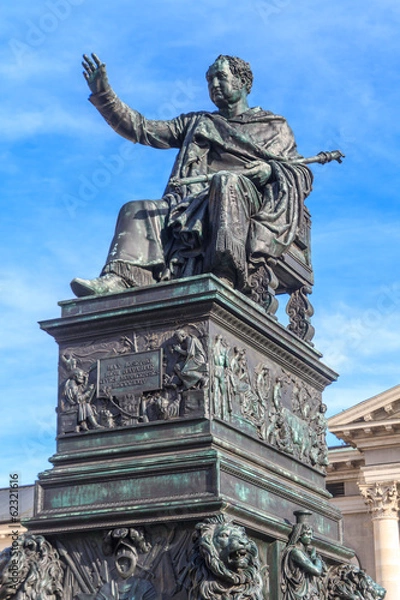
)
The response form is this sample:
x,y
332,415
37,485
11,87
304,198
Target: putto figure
x,y
235,196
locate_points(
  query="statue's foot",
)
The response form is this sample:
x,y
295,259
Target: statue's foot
x,y
105,284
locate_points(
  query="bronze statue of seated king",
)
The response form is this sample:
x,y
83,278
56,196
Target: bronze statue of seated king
x,y
234,203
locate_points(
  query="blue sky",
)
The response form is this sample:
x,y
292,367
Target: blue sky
x,y
332,69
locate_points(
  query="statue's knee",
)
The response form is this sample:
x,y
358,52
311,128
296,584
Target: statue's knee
x,y
128,209
139,208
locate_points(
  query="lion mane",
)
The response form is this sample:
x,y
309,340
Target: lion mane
x,y
31,570
348,582
224,563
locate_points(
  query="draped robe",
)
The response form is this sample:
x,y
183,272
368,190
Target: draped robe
x,y
219,226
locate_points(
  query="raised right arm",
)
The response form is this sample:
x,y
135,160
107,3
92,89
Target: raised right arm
x,y
126,121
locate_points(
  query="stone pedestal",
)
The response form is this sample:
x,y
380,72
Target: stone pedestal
x,y
180,402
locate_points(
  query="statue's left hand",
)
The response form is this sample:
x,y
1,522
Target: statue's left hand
x,y
258,172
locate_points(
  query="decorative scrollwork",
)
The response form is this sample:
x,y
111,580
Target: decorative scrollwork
x,y
263,283
300,311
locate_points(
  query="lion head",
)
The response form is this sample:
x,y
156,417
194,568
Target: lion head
x,y
224,562
348,582
31,569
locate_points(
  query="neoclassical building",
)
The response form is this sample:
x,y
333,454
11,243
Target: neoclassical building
x,y
364,479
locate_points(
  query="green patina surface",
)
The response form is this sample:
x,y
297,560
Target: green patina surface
x,y
177,432
153,487
275,504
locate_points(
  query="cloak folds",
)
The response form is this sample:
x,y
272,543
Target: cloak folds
x,y
218,226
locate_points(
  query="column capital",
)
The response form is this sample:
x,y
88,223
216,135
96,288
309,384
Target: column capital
x,y
382,498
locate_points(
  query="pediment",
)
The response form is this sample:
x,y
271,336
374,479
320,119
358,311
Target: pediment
x,y
379,415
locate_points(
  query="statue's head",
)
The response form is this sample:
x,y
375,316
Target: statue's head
x,y
232,546
306,534
78,375
302,530
239,68
180,335
229,78
125,560
224,562
31,569
348,581
124,544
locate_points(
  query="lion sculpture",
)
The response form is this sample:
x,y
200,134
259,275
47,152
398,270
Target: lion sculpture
x,y
31,570
348,582
224,563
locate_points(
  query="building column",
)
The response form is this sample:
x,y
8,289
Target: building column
x,y
383,502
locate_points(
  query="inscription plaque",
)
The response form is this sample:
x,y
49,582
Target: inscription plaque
x,y
129,373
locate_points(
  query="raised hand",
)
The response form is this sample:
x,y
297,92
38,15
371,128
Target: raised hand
x,y
95,74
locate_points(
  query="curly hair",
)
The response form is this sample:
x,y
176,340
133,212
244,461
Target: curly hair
x,y
239,68
40,571
211,577
348,581
131,538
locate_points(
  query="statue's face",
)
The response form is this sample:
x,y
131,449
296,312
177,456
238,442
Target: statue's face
x,y
79,376
125,562
180,336
224,88
306,536
232,546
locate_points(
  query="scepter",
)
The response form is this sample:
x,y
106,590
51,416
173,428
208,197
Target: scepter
x,y
322,158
